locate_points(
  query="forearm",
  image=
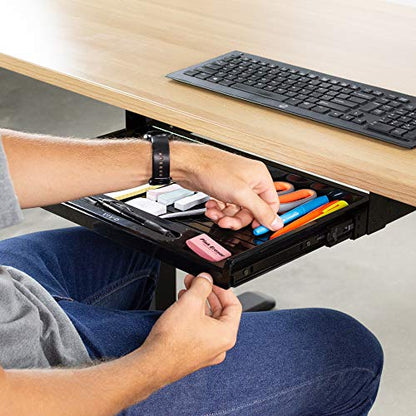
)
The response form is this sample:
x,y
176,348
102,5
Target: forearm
x,y
101,390
47,170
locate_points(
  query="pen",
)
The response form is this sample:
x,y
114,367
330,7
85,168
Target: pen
x,y
183,213
124,211
326,209
295,213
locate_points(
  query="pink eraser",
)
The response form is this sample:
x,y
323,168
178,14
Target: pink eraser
x,y
207,248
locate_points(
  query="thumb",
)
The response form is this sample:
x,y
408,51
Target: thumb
x,y
262,211
201,286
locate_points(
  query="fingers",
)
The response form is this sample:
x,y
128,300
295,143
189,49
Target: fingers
x,y
215,307
201,286
264,213
231,307
240,219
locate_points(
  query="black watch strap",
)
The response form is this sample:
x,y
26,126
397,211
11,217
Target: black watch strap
x,y
160,158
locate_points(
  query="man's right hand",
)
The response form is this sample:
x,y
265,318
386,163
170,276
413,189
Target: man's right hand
x,y
189,335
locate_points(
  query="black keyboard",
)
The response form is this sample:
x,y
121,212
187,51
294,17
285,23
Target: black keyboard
x,y
376,112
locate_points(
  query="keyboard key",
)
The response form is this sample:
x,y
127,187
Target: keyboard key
x,y
380,127
212,66
347,117
335,114
332,105
191,73
293,101
409,107
257,91
411,135
357,113
215,79
343,96
405,119
377,93
403,100
326,97
346,103
308,105
382,101
320,109
362,95
367,90
398,132
359,121
369,107
358,100
269,88
226,82
377,112
394,104
203,75
395,123
391,96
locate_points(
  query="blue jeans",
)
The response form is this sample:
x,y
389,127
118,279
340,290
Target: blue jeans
x,y
290,362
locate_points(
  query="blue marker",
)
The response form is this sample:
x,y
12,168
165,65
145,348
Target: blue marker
x,y
295,213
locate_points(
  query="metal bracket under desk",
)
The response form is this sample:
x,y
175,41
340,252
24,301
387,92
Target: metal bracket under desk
x,y
383,210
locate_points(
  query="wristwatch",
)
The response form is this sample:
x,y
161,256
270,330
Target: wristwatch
x,y
160,157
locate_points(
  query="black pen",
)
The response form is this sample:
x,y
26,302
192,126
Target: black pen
x,y
126,212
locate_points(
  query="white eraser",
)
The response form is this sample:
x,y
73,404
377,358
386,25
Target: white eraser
x,y
171,197
191,201
147,205
155,193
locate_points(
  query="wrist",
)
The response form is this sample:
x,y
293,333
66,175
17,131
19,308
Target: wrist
x,y
186,161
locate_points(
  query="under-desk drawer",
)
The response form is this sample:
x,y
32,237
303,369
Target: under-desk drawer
x,y
251,256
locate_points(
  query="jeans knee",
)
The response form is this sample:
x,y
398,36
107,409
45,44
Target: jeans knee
x,y
356,344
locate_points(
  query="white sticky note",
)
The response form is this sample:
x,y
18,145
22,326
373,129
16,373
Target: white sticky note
x,y
147,205
191,201
154,194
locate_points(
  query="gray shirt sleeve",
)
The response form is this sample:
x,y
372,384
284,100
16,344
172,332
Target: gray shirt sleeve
x,y
10,212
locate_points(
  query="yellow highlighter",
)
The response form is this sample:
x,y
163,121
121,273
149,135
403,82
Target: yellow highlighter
x,y
333,207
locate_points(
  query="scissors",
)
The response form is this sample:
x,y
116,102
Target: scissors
x,y
283,187
292,200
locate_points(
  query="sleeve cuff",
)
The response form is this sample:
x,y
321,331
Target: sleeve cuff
x,y
10,212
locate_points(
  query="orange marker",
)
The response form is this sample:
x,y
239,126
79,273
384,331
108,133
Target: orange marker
x,y
326,209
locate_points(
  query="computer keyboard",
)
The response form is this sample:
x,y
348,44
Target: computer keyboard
x,y
375,112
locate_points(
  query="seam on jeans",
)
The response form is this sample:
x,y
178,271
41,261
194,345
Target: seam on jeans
x,y
288,390
116,286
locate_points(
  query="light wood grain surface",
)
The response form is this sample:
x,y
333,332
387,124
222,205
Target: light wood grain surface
x,y
120,51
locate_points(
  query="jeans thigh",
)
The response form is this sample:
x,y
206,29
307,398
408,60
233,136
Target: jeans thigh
x,y
78,264
285,363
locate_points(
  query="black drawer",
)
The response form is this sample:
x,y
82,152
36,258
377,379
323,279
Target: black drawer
x,y
251,256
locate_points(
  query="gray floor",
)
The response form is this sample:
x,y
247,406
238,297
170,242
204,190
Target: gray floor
x,y
373,278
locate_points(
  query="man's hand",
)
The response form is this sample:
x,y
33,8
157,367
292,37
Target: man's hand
x,y
190,335
243,188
